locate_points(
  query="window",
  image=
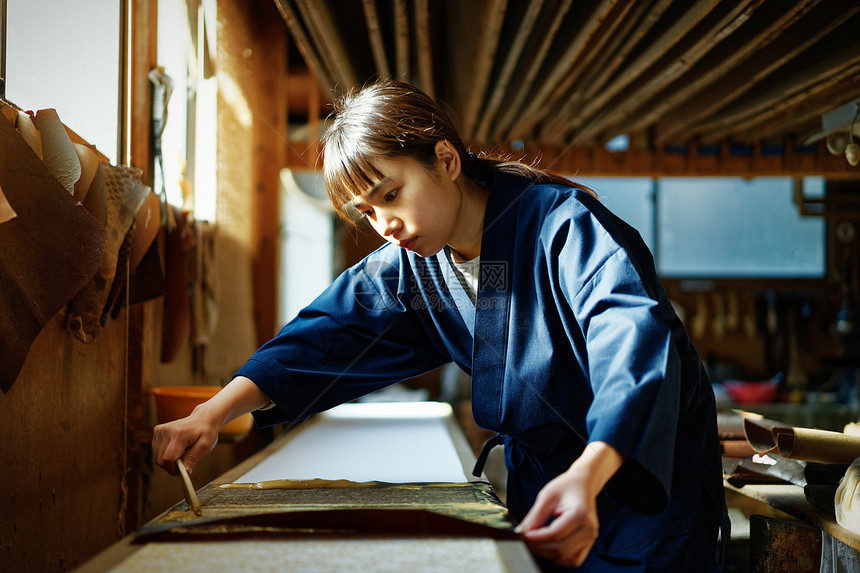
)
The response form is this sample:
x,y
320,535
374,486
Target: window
x,y
736,228
189,140
631,198
721,227
69,61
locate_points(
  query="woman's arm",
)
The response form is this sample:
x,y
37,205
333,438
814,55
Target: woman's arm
x,y
571,499
193,437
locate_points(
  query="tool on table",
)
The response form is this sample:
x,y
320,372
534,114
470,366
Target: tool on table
x,y
190,494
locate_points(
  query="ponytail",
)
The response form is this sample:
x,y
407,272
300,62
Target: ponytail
x,y
481,167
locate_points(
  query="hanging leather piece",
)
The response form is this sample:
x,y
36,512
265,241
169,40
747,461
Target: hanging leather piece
x,y
124,193
204,294
140,253
120,280
24,124
89,160
58,153
147,282
6,211
50,249
176,324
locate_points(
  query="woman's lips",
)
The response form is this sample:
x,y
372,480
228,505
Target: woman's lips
x,y
407,244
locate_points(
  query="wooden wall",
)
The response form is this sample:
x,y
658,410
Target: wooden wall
x,y
76,424
62,484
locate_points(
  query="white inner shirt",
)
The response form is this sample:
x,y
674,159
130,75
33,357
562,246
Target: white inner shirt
x,y
467,274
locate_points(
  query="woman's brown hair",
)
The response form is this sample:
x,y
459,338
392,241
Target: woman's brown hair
x,y
392,119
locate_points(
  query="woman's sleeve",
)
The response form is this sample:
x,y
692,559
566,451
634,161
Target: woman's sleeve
x,y
633,365
361,334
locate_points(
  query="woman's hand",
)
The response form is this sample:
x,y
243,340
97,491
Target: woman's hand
x,y
190,438
568,538
193,437
562,525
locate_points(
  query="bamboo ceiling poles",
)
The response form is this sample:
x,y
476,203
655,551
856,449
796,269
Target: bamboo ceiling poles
x,y
563,75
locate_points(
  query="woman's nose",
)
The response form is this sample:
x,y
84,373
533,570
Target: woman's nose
x,y
390,225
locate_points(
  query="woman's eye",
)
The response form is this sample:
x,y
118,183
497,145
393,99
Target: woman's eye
x,y
391,195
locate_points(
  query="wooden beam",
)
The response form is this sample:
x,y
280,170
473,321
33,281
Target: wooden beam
x,y
742,45
670,36
624,38
315,64
269,58
424,47
401,40
829,90
318,41
674,64
810,75
796,38
804,111
328,42
140,57
564,97
491,30
627,39
503,80
538,105
535,63
638,162
377,46
140,28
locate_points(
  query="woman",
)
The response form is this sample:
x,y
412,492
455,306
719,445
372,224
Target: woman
x,y
546,299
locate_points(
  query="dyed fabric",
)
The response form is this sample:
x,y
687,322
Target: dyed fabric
x,y
572,339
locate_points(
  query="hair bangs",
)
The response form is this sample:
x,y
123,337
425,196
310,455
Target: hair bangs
x,y
347,175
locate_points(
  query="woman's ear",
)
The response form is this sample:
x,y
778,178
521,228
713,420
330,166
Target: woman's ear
x,y
447,159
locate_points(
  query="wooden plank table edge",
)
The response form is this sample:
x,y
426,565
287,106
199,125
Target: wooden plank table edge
x,y
791,500
515,554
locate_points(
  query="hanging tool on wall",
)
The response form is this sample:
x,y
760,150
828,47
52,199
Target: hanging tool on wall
x,y
162,88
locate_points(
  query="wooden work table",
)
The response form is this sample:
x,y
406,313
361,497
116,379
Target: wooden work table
x,y
425,515
790,500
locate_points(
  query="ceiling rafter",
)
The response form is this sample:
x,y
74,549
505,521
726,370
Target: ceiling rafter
x,y
503,81
325,36
304,44
424,46
619,54
535,110
401,39
719,65
533,66
782,96
564,97
631,29
377,45
560,75
780,58
595,107
677,62
488,45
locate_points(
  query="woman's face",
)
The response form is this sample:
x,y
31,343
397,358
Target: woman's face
x,y
412,207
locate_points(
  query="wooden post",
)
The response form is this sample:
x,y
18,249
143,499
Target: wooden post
x,y
139,56
270,151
